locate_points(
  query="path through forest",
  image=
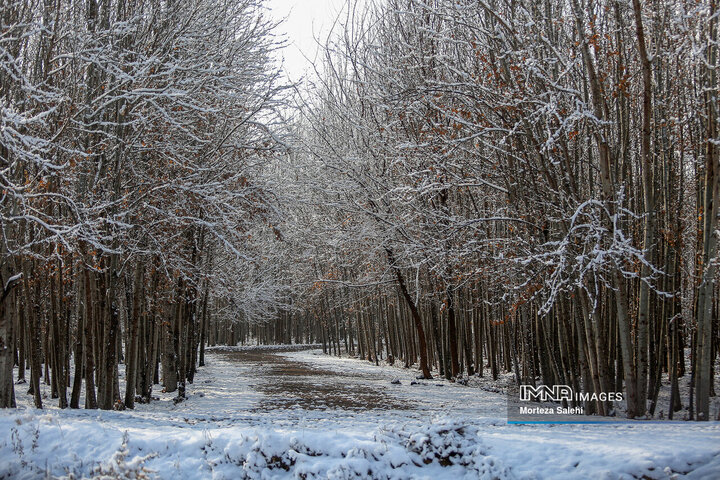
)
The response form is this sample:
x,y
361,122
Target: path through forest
x,y
296,388
291,384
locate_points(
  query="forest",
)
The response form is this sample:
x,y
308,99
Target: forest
x,y
463,187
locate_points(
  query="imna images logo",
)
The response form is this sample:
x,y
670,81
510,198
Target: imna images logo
x,y
558,393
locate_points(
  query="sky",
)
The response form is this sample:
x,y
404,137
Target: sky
x,y
305,20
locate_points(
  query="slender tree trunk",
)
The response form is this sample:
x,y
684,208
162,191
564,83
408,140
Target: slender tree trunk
x,y
452,333
131,358
703,381
644,307
7,284
34,331
90,343
414,312
59,374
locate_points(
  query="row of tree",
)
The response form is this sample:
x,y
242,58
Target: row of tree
x,y
133,138
527,185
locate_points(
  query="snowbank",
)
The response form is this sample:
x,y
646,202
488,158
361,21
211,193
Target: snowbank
x,y
41,445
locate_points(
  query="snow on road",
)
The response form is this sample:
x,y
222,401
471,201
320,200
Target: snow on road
x,y
276,414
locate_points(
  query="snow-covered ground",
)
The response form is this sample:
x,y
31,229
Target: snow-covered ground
x,y
276,414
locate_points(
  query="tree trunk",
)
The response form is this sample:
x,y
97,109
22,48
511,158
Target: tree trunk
x,y
703,382
414,312
7,284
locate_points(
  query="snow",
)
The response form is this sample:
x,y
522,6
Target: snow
x,y
12,280
243,420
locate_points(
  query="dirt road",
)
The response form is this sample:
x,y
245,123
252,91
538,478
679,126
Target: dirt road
x,y
288,384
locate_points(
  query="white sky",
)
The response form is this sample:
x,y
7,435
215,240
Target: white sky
x,y
305,21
